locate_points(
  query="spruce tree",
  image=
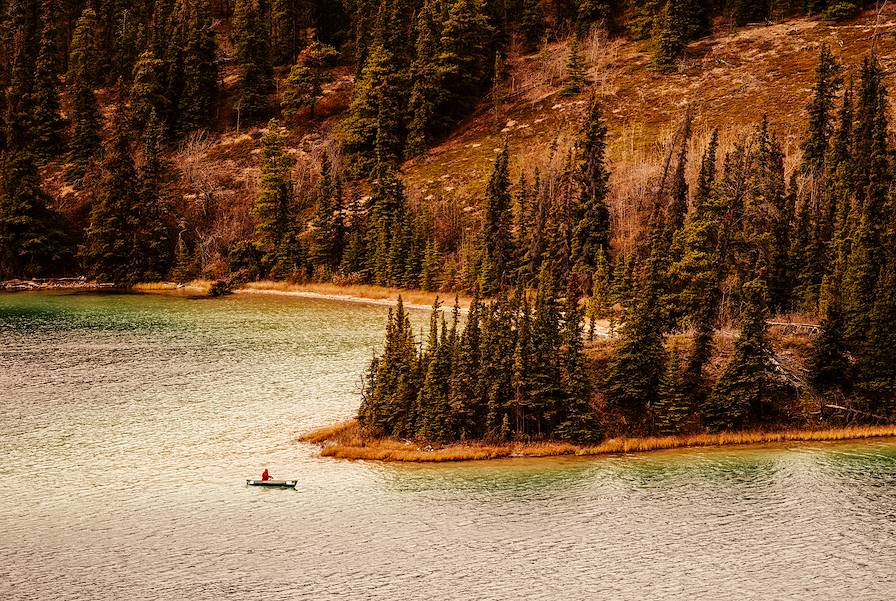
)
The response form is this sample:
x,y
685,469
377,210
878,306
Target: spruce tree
x,y
633,377
591,232
673,408
198,93
251,44
738,397
304,86
821,111
152,252
33,239
109,250
532,24
272,207
497,243
84,144
147,96
47,127
875,370
426,87
579,423
678,26
575,77
329,229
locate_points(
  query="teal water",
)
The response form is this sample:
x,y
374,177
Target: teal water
x,y
129,423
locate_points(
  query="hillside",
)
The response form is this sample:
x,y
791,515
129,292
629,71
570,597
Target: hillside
x,y
732,78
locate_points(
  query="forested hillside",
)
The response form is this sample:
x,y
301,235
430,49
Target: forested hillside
x,y
674,165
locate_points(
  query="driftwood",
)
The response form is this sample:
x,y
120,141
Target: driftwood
x,y
856,412
795,328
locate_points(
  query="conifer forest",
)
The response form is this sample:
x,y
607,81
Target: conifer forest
x,y
632,214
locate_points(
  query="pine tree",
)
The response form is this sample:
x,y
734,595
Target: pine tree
x,y
329,229
673,408
109,250
251,44
85,144
33,239
532,24
738,397
575,78
633,378
434,409
821,111
465,396
426,88
304,86
272,207
47,127
591,232
147,93
152,253
678,27
496,243
580,423
199,76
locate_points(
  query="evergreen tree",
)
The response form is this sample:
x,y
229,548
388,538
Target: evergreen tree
x,y
329,229
304,86
272,207
147,95
372,113
575,78
84,144
152,255
251,44
434,408
109,249
634,375
426,88
198,94
738,397
33,239
389,402
678,26
465,60
673,409
876,366
829,363
47,127
580,423
497,244
821,109
532,24
591,232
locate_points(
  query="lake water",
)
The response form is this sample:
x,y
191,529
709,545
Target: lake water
x,y
128,425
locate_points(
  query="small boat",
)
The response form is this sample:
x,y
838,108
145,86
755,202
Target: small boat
x,y
273,483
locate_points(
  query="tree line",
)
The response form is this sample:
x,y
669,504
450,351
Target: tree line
x,y
747,240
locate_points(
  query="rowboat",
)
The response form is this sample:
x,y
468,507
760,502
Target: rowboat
x,y
273,483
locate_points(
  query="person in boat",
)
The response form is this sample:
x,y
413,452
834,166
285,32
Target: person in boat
x,y
265,475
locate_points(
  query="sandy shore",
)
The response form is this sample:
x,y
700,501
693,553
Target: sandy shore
x,y
345,441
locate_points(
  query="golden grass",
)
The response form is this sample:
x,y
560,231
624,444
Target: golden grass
x,y
195,286
657,443
357,291
346,441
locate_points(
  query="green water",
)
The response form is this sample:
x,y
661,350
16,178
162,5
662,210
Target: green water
x,y
129,423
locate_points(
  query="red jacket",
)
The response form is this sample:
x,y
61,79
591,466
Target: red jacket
x,y
265,475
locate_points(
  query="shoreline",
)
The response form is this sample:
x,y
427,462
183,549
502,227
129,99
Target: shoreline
x,y
354,293
345,441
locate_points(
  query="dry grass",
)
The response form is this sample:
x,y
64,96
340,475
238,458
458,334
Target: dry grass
x,y
193,287
657,443
381,294
346,441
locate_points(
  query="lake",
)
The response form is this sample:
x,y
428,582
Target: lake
x,y
129,424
